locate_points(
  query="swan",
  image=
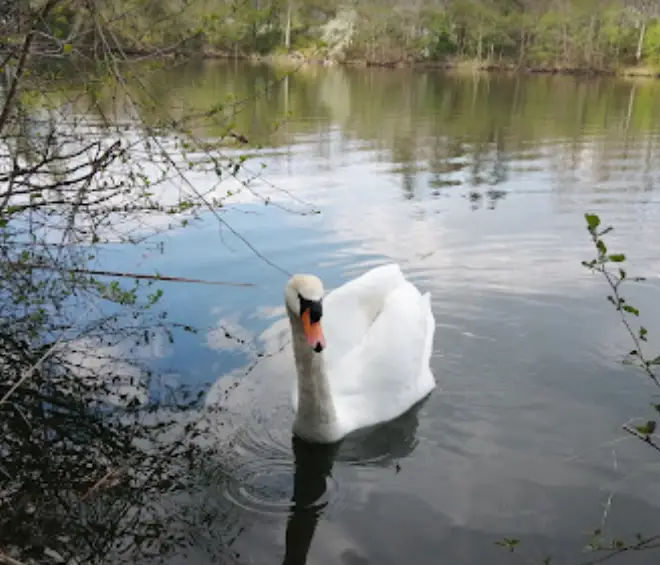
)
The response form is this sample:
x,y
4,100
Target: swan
x,y
361,353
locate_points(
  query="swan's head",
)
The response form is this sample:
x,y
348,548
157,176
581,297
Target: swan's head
x,y
304,299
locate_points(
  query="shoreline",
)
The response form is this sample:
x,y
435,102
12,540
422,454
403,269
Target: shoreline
x,y
480,66
465,65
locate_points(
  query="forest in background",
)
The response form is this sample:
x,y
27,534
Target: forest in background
x,y
555,34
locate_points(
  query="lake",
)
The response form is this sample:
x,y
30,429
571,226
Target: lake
x,y
477,186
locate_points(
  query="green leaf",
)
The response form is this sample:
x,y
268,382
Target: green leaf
x,y
647,429
509,543
617,258
593,221
591,547
67,48
642,333
618,544
656,407
631,309
601,246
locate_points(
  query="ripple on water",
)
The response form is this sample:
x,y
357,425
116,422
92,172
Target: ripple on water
x,y
264,475
262,488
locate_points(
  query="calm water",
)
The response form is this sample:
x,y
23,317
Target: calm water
x,y
477,187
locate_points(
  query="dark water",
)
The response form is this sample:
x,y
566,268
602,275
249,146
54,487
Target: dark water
x,y
476,186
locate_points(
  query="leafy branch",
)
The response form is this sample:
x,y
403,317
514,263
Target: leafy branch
x,y
602,264
610,266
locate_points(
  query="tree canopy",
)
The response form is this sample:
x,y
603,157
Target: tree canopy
x,y
596,34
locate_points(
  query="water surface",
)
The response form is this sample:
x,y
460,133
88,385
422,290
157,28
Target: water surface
x,y
477,187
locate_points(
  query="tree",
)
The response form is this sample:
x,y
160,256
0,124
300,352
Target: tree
x,y
643,10
93,446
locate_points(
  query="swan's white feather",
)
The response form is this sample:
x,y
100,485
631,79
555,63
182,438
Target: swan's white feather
x,y
379,332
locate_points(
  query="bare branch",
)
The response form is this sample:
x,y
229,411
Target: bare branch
x,y
29,266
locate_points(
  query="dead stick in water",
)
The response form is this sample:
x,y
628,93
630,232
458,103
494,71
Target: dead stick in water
x,y
132,275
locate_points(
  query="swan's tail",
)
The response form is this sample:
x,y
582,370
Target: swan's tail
x,y
427,376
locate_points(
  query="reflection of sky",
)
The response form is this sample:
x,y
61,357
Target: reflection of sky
x,y
531,393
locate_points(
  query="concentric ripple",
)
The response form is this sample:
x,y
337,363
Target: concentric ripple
x,y
265,472
263,488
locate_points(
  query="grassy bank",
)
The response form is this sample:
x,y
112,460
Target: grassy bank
x,y
457,64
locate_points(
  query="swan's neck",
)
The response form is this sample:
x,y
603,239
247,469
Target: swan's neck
x,y
315,417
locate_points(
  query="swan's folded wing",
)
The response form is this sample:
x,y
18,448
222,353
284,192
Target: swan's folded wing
x,y
350,309
388,372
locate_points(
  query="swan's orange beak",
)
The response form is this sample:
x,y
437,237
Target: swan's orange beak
x,y
314,332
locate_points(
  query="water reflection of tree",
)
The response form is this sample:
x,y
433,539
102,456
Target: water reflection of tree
x,y
416,117
81,478
97,465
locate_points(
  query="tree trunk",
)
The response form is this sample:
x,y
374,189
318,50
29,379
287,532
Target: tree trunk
x,y
590,42
479,43
287,28
523,45
640,43
565,42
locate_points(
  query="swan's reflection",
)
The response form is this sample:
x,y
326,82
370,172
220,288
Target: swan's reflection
x,y
313,464
381,445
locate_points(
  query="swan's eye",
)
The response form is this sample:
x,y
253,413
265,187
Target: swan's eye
x,y
315,308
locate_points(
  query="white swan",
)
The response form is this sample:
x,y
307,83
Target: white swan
x,y
362,352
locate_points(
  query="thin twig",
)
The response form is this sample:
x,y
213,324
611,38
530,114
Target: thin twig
x,y
615,290
176,168
614,282
643,544
28,372
105,478
129,275
645,438
6,560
